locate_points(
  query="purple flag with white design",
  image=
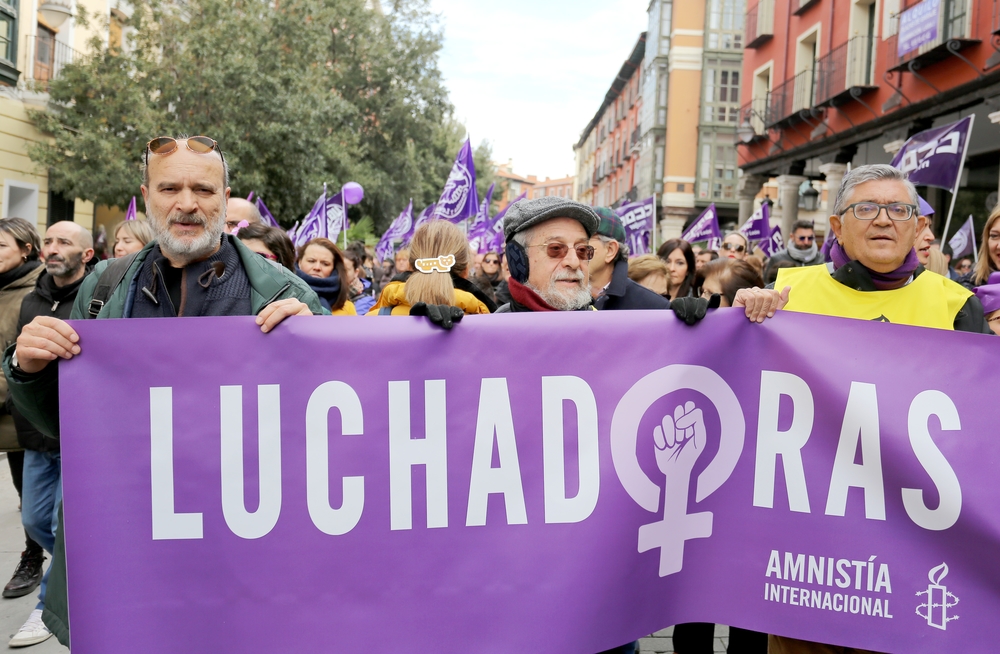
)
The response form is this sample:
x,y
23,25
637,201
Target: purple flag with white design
x,y
130,212
774,244
425,216
482,223
495,236
315,224
399,228
963,243
638,219
705,228
336,216
935,157
758,226
460,200
265,213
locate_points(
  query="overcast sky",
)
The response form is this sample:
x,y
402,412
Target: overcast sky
x,y
528,75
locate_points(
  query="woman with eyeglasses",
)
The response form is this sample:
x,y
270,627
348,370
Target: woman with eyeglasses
x,y
438,269
734,246
490,271
321,265
269,242
679,257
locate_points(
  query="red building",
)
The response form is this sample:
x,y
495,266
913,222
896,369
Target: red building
x,y
828,83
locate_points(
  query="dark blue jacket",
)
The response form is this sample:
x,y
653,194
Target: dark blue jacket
x,y
623,293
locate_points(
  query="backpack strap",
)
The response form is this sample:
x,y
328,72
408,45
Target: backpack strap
x,y
109,280
385,311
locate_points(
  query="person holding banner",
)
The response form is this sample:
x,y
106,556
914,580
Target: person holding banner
x,y
609,269
438,287
876,223
193,268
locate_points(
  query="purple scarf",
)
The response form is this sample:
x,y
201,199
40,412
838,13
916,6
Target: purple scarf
x,y
883,281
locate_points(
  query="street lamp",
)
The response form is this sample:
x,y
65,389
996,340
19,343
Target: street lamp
x,y
55,12
810,198
746,131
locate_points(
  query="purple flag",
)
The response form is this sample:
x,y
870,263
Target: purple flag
x,y
774,244
478,231
638,219
935,157
424,216
460,200
315,224
336,216
828,240
130,213
758,226
963,243
705,228
265,213
523,495
399,229
495,238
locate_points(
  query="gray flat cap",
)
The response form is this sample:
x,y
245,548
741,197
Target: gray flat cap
x,y
526,213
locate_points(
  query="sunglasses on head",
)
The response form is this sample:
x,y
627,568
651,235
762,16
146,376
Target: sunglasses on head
x,y
560,250
198,144
733,248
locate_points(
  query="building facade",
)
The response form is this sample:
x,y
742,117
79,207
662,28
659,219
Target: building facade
x,y
562,188
833,83
510,185
674,106
34,47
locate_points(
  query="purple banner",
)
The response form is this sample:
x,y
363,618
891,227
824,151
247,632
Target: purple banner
x,y
774,244
918,25
935,157
426,215
705,228
963,243
758,226
398,230
638,219
460,200
279,493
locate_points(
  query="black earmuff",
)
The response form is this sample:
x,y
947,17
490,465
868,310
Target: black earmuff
x,y
517,261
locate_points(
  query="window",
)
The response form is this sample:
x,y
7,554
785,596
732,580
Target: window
x,y
725,24
8,43
717,168
45,54
721,99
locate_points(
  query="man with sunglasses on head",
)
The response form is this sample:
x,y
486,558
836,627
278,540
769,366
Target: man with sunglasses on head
x,y
801,251
876,223
192,268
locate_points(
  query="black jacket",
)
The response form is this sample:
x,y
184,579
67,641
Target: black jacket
x,y
623,293
970,318
46,300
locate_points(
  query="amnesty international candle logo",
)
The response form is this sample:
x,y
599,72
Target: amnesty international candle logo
x,y
939,600
679,441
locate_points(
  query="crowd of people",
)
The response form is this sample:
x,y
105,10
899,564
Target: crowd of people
x,y
200,253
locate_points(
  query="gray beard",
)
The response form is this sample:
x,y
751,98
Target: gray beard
x,y
564,301
64,268
188,251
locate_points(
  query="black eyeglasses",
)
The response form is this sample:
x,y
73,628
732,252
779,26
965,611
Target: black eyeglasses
x,y
897,211
560,250
164,145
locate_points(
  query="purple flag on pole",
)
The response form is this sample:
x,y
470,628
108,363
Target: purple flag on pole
x,y
963,243
460,200
130,213
705,228
638,218
265,213
758,226
315,224
493,489
480,227
336,216
495,236
935,157
773,244
399,228
426,215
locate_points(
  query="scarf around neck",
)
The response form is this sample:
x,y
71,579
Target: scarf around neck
x,y
803,256
327,288
883,281
526,297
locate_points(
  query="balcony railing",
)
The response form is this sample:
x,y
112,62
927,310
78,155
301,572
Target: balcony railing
x,y
779,103
846,67
49,56
753,114
758,26
803,90
952,36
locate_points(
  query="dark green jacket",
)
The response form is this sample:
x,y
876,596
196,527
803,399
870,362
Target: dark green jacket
x,y
38,397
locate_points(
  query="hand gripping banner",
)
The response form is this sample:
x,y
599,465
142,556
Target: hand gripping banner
x,y
344,485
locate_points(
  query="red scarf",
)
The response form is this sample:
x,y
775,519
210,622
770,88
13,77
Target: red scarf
x,y
526,297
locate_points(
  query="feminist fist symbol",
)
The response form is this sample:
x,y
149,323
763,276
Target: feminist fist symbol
x,y
679,441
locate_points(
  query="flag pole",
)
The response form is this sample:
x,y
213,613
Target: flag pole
x,y
343,207
958,180
655,226
975,248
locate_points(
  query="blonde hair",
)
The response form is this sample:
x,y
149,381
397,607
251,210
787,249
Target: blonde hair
x,y
436,239
985,265
643,266
936,262
140,229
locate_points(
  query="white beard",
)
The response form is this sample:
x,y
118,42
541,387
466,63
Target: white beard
x,y
188,250
565,300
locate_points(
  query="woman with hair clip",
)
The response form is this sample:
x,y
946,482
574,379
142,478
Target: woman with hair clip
x,y
439,264
321,265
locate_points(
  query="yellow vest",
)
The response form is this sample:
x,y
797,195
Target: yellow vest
x,y
930,300
346,310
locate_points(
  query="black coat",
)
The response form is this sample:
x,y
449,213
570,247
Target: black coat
x,y
46,300
623,293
